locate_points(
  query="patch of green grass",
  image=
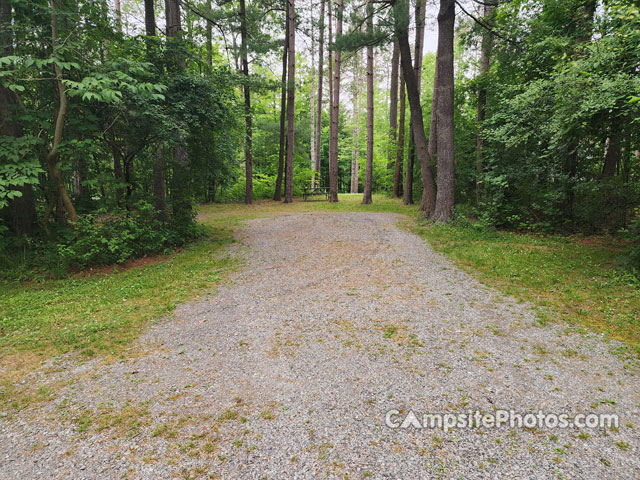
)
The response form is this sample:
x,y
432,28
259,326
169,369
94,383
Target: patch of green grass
x,y
102,313
575,279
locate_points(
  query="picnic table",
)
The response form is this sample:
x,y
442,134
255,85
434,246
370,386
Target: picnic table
x,y
313,191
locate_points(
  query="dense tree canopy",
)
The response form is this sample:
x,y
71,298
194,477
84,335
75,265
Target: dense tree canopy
x,y
113,123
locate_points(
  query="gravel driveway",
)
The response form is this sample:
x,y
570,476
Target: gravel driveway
x,y
289,369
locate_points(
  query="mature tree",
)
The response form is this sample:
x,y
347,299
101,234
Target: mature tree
x,y
291,105
444,89
159,180
312,104
486,44
335,110
283,106
393,105
397,174
368,178
318,142
355,149
401,16
420,10
181,177
248,154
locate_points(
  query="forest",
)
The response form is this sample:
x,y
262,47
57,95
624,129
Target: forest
x,y
118,118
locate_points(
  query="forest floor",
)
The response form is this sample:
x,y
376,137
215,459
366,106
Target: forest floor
x,y
316,321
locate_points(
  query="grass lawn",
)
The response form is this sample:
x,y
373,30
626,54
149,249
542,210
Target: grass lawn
x,y
102,313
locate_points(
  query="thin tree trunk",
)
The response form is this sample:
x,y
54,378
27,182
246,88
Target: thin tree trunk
x,y
318,157
368,179
393,106
446,180
413,95
312,102
248,155
613,153
149,19
485,61
335,112
397,174
209,36
118,9
355,150
283,107
60,191
291,105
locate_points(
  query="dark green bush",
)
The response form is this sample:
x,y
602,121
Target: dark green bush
x,y
100,238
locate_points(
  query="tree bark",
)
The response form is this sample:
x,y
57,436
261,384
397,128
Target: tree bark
x,y
446,179
149,18
428,202
368,178
118,9
485,61
291,106
318,157
393,106
277,196
413,94
420,10
312,102
335,112
613,154
181,177
60,191
159,177
248,154
355,150
397,174
209,37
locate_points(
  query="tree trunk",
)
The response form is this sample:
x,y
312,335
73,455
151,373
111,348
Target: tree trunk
x,y
428,202
291,105
318,165
393,106
368,178
312,103
420,10
180,180
613,155
335,112
413,95
60,191
159,178
277,196
446,180
248,156
209,37
118,9
485,61
355,150
397,174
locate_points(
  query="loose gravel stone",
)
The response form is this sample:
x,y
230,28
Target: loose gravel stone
x,y
288,370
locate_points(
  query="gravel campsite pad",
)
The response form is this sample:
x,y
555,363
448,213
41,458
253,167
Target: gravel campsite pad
x,y
289,369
